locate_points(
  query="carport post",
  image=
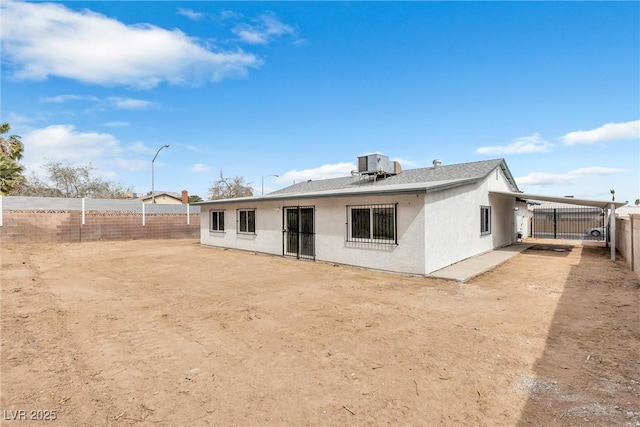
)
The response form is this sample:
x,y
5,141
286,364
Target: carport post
x,y
612,230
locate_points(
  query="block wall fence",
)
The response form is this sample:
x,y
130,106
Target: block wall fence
x,y
54,219
44,227
628,240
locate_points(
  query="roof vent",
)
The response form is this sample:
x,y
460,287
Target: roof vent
x,y
437,163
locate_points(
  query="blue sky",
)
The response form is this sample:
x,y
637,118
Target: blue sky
x,y
301,89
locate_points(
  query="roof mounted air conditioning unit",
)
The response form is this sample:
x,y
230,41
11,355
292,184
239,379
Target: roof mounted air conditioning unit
x,y
377,164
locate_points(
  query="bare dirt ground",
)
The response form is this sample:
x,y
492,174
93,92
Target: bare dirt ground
x,y
169,333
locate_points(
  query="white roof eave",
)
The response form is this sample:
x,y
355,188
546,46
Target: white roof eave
x,y
604,204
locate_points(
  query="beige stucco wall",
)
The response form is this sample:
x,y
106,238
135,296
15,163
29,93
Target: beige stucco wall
x,y
407,256
435,229
523,218
453,221
330,227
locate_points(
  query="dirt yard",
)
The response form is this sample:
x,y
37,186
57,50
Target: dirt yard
x,y
170,333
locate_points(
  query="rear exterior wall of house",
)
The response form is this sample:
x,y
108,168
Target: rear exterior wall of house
x,y
453,221
332,230
434,229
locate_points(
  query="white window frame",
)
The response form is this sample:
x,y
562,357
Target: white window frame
x,y
247,221
485,220
215,225
371,238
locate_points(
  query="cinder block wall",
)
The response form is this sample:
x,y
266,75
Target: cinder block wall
x,y
628,240
43,226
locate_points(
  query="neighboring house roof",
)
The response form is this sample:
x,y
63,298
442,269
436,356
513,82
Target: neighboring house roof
x,y
627,210
431,178
162,193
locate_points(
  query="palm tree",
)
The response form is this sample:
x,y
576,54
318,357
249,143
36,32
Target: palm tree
x,y
11,148
10,174
613,195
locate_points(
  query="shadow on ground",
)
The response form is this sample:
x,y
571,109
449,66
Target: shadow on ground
x,y
552,249
589,372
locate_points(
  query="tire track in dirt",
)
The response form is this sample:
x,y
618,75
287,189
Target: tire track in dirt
x,y
39,345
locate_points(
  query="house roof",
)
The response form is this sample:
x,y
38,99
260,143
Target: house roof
x,y
455,172
425,179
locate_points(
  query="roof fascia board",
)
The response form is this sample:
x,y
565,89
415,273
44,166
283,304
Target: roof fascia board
x,y
507,172
604,204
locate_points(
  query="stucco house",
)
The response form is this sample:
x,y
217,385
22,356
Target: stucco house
x,y
414,221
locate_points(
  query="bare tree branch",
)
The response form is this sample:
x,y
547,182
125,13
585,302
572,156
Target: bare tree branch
x,y
229,188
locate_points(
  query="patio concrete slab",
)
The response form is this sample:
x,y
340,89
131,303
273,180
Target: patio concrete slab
x,y
474,266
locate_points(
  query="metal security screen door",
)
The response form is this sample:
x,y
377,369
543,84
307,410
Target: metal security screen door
x,y
575,223
299,232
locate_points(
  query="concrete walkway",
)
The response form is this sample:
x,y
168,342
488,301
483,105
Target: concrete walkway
x,y
474,266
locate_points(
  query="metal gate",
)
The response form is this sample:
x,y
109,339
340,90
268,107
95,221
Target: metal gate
x,y
298,232
572,223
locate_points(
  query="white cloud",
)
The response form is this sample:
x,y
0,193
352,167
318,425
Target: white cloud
x,y
192,148
102,151
117,124
65,98
191,14
114,101
605,133
132,165
322,172
129,103
139,147
522,145
229,14
45,39
543,179
64,141
200,168
18,119
266,29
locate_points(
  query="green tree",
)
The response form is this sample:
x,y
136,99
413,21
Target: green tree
x,y
11,149
637,202
613,195
195,198
229,188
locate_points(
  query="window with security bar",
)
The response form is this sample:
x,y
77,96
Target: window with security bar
x,y
372,223
217,221
247,221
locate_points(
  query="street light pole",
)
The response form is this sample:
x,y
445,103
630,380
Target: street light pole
x,y
266,176
153,193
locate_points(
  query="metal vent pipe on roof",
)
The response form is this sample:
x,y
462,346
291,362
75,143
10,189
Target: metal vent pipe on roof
x,y
436,162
